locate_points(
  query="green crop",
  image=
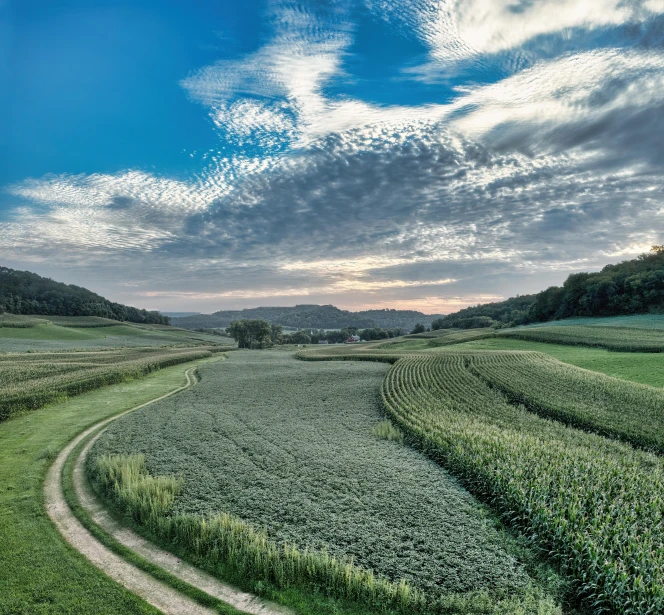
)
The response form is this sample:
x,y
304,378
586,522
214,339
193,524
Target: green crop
x,y
579,397
621,339
31,380
594,504
265,442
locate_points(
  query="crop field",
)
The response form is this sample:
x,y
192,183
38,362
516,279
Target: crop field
x,y
82,322
40,573
633,321
585,399
19,322
593,503
610,337
274,452
31,380
72,336
642,367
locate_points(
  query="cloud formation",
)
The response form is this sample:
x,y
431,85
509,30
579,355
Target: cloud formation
x,y
554,165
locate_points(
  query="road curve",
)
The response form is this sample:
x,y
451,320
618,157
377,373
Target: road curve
x,y
156,593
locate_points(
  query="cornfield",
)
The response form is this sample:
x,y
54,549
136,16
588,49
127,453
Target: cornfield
x,y
579,397
594,504
621,339
17,321
31,380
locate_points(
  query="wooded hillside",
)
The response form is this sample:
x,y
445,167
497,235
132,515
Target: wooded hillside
x,y
630,287
24,292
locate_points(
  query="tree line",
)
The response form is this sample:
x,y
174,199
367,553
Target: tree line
x,y
634,286
258,333
24,292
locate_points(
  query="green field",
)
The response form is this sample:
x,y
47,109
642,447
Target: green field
x,y
31,380
89,333
620,339
633,321
41,575
591,502
589,400
646,368
285,478
293,447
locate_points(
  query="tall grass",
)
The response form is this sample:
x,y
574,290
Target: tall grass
x,y
387,431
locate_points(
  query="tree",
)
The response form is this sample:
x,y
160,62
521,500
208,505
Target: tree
x,y
276,334
419,328
250,333
300,337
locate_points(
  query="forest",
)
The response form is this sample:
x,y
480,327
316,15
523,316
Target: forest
x,y
24,292
631,287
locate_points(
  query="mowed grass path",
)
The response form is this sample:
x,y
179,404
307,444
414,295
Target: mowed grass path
x,y
39,573
290,446
643,367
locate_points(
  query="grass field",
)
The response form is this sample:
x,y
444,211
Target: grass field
x,y
31,380
78,333
41,575
297,448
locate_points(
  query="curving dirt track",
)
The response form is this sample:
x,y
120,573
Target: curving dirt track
x,y
156,593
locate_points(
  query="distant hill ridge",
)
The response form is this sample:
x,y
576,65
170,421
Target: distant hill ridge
x,y
311,316
24,292
630,287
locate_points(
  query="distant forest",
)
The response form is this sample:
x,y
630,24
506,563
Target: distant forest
x,y
631,287
310,317
23,292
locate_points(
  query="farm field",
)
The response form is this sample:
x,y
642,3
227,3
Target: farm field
x,y
632,321
296,448
41,574
86,333
578,397
31,380
619,339
591,501
646,368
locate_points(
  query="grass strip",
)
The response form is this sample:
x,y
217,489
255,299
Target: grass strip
x,y
41,573
127,554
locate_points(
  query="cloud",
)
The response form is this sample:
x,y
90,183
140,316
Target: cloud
x,y
550,168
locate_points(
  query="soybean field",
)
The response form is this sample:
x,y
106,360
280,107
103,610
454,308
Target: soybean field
x,y
299,451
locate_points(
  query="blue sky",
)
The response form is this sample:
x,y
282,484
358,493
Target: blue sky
x,y
380,153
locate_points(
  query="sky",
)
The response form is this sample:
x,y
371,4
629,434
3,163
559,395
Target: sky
x,y
412,154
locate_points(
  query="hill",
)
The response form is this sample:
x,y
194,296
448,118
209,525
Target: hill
x,y
310,317
631,287
24,292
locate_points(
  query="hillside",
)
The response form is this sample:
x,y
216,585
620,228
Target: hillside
x,y
310,317
24,292
631,287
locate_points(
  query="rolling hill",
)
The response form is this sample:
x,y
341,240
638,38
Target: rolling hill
x,y
24,292
634,286
310,317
